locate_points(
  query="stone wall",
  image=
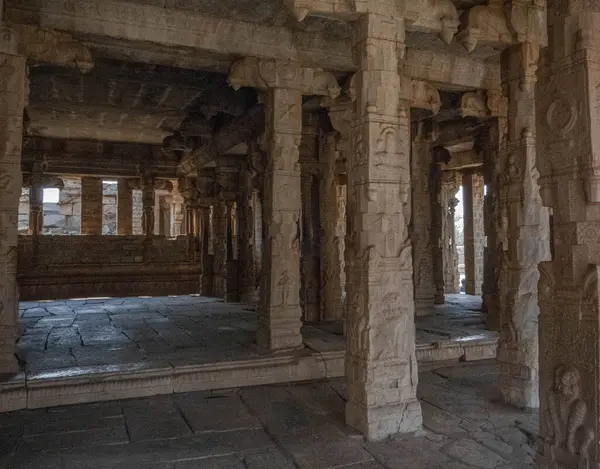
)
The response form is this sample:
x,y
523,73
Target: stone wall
x,y
87,266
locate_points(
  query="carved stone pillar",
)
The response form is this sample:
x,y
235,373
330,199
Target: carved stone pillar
x,y
440,155
473,190
279,321
220,249
310,263
451,182
284,83
207,264
164,213
124,208
332,210
494,145
91,206
148,200
568,161
526,226
36,201
422,240
247,266
12,99
381,365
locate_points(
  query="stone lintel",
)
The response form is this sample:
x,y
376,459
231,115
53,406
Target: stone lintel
x,y
462,160
438,16
45,45
265,74
133,24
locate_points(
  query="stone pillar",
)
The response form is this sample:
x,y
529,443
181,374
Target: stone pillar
x,y
440,155
124,208
381,365
525,233
220,249
332,211
283,82
247,266
279,320
494,145
422,240
148,201
568,162
36,201
12,99
451,182
164,216
91,206
473,189
207,258
310,277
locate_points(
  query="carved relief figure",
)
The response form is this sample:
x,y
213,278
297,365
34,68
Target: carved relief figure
x,y
566,431
284,282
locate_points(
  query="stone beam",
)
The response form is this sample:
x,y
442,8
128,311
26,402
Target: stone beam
x,y
265,74
243,129
135,22
462,160
89,158
174,34
430,16
45,45
442,68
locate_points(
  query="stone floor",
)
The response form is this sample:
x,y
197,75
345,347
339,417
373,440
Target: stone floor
x,y
188,330
274,427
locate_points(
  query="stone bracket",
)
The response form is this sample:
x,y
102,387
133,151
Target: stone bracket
x,y
424,96
485,25
45,45
265,74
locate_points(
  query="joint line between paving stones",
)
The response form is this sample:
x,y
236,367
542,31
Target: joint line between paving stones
x,y
279,446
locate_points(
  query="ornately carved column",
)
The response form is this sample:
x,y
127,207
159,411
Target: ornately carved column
x,y
421,223
12,102
247,266
331,241
473,191
220,248
36,200
148,201
91,206
451,182
284,83
124,207
279,321
439,155
568,162
381,365
494,146
525,224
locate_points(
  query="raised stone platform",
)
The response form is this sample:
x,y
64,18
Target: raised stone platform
x,y
91,350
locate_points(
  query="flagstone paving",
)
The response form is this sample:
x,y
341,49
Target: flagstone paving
x,y
274,427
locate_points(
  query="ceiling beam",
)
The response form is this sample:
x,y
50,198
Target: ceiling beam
x,y
178,32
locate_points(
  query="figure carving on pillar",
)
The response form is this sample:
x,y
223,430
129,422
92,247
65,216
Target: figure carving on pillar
x,y
567,435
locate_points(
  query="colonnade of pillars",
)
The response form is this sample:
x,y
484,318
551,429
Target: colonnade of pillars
x,y
161,205
548,229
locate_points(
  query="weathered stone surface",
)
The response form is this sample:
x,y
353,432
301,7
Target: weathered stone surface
x,y
12,97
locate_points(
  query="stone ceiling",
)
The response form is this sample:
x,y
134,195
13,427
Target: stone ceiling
x,y
123,101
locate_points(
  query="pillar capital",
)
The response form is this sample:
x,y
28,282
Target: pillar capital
x,y
44,45
266,74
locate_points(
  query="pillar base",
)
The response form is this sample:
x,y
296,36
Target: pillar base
x,y
516,385
8,360
280,335
439,299
378,423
